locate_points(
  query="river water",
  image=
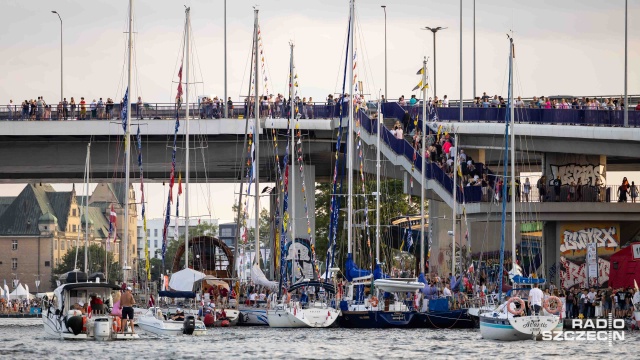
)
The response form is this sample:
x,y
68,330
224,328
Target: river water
x,y
25,339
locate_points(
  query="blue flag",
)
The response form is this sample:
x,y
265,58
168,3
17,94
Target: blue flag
x,y
123,111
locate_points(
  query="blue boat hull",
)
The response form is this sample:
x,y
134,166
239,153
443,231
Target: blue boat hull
x,y
452,319
377,319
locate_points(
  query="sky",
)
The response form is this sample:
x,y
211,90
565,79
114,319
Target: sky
x,y
569,47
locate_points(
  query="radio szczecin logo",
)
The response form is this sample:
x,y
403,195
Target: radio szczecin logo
x,y
590,330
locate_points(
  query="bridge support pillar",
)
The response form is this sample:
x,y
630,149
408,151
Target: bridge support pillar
x,y
439,226
302,222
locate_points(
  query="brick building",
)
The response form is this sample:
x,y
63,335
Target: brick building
x,y
40,225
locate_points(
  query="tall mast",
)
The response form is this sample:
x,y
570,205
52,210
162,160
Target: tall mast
x,y
424,163
350,133
292,168
127,151
186,135
257,142
513,157
455,164
380,120
86,209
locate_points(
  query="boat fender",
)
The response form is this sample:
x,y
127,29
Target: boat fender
x,y
74,324
552,305
225,323
374,301
115,325
515,311
189,325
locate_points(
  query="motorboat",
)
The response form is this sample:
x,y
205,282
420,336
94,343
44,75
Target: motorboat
x,y
156,322
315,314
64,318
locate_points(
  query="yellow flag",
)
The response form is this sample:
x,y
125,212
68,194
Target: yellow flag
x,y
420,72
418,86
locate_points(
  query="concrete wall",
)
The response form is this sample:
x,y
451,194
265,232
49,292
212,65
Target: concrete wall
x,y
581,169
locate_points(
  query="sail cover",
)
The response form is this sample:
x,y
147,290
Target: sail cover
x,y
183,280
258,278
352,271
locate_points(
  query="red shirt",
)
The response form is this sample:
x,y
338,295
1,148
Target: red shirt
x,y
638,107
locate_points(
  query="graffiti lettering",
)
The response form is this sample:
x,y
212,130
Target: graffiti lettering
x,y
578,240
580,174
573,274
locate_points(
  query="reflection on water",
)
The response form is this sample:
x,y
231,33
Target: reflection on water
x,y
24,338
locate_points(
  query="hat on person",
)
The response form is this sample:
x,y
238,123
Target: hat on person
x,y
81,303
178,309
129,288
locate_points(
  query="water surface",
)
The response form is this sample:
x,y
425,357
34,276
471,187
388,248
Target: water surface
x,y
25,339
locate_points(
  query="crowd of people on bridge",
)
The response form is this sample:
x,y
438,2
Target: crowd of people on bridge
x,y
542,102
72,109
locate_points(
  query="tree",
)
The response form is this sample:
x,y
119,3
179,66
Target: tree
x,y
95,263
393,202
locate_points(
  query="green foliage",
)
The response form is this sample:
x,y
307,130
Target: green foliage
x,y
393,202
95,263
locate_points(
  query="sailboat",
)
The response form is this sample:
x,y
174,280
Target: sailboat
x,y
509,321
288,312
153,320
358,310
256,315
436,313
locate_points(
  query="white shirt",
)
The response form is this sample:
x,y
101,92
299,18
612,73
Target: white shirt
x,y
446,292
252,297
636,298
445,103
535,296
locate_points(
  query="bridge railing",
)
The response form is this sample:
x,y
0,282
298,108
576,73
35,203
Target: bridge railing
x,y
522,115
328,111
166,111
475,194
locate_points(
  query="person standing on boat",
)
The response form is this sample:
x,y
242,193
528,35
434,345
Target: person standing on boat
x,y
535,299
126,304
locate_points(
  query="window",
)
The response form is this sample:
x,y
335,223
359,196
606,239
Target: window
x,y
155,232
14,264
73,212
148,232
62,243
226,232
74,228
55,245
14,245
155,244
47,263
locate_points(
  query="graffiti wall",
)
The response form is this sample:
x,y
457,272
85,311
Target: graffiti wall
x,y
575,239
578,174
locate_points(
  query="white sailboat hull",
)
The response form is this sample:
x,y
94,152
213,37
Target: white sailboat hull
x,y
500,329
534,325
295,317
253,317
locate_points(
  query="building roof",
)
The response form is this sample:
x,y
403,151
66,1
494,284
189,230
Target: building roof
x,y
119,190
5,201
100,222
47,218
22,215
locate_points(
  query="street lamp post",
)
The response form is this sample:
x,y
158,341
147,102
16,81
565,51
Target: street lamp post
x,y
386,95
626,96
61,67
434,31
